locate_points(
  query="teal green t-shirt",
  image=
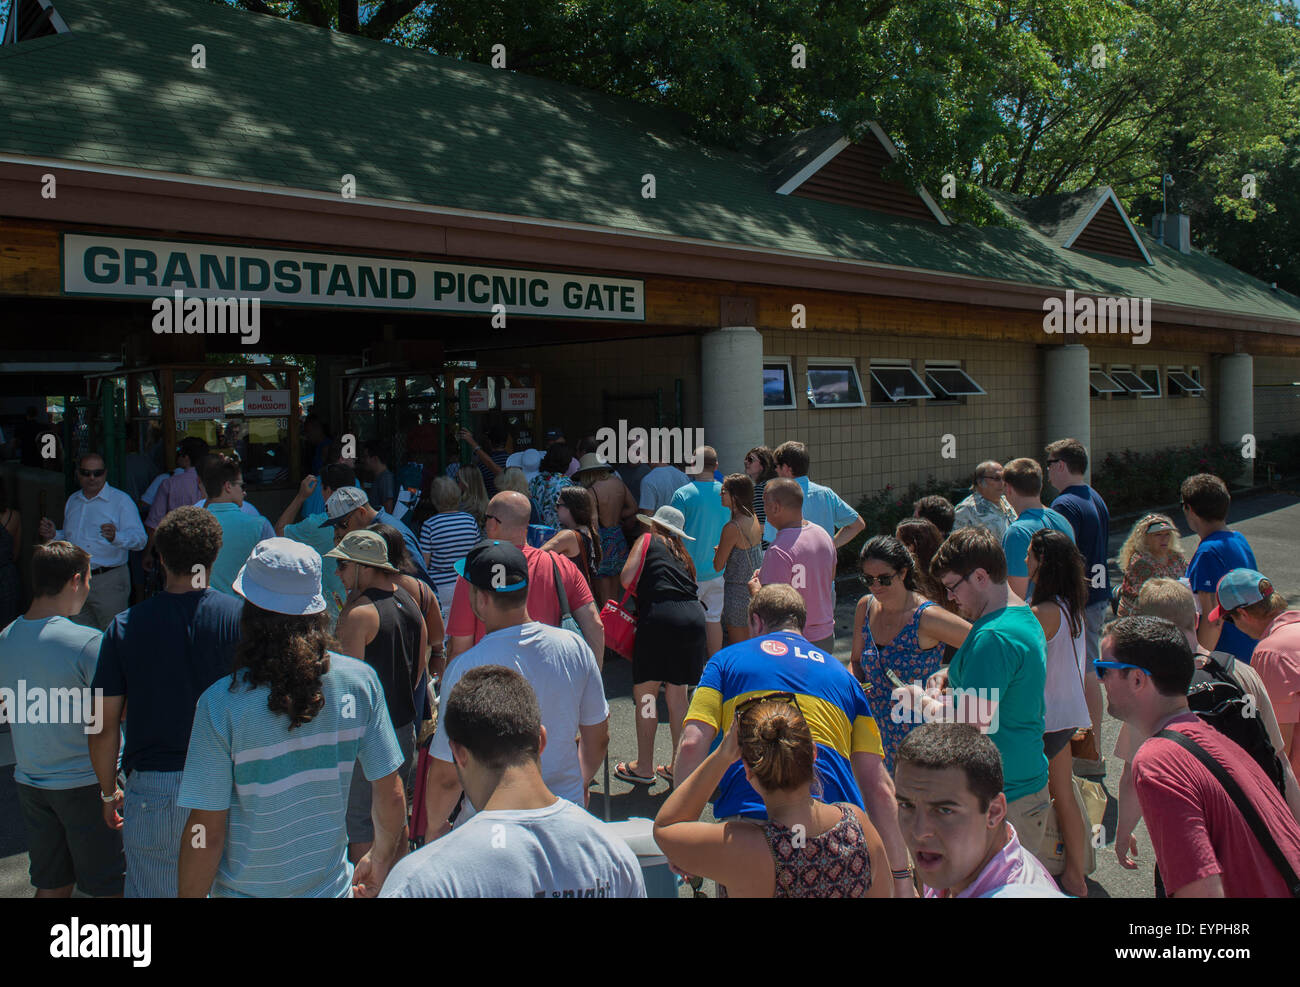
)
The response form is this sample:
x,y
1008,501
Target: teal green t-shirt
x,y
1006,651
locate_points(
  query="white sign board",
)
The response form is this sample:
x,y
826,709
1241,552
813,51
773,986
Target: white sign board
x,y
200,405
266,404
519,399
131,267
478,399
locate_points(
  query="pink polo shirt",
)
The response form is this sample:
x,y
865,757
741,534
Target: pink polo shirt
x,y
179,490
1013,872
1277,660
805,558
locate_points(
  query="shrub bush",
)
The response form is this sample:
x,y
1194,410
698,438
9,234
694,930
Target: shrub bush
x,y
1133,481
1283,451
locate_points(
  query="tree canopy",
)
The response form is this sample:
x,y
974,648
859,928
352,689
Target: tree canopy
x,y
1026,96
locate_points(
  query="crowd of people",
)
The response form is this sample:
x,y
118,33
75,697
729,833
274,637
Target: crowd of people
x,y
361,700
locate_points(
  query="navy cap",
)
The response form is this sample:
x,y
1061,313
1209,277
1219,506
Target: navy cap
x,y
497,566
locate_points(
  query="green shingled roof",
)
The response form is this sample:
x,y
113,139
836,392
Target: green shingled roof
x,y
285,104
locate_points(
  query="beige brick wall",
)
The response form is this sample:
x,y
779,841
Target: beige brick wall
x,y
860,450
1146,424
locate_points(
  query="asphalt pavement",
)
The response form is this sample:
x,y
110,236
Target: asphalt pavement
x,y
1269,521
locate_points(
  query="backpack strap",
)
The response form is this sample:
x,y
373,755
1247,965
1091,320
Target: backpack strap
x,y
559,589
1243,804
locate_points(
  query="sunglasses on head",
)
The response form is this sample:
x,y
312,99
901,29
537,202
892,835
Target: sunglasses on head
x,y
92,472
771,697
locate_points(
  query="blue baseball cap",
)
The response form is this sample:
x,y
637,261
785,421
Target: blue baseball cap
x,y
1239,588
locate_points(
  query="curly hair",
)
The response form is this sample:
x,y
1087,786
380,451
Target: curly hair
x,y
188,537
288,653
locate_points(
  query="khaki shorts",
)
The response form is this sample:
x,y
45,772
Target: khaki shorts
x,y
1028,816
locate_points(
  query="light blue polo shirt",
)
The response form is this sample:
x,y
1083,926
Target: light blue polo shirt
x,y
700,502
240,532
822,506
309,532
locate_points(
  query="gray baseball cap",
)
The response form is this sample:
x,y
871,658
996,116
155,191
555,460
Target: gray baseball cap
x,y
343,502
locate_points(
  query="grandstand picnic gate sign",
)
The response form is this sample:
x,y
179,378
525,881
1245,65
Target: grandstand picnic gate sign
x,y
138,268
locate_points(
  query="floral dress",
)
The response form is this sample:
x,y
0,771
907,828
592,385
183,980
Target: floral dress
x,y
544,488
1142,567
904,657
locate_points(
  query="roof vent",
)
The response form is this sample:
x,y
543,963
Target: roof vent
x,y
1173,229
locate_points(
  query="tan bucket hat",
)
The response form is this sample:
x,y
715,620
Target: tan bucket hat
x,y
363,548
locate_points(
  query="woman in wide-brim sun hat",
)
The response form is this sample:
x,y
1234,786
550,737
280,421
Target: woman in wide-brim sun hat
x,y
671,647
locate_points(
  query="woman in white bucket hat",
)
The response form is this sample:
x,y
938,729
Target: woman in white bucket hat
x,y
671,647
273,747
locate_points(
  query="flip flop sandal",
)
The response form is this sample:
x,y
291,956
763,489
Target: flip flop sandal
x,y
664,773
623,772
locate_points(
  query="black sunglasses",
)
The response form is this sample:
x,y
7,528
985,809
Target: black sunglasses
x,y
771,697
883,580
92,472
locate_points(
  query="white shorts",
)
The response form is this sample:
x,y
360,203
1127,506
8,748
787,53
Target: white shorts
x,y
711,593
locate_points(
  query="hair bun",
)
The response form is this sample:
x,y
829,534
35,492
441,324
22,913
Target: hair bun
x,y
773,728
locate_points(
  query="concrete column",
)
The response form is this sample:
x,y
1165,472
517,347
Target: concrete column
x,y
731,386
1235,382
1067,404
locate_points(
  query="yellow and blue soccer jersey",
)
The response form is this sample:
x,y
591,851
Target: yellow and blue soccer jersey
x,y
828,696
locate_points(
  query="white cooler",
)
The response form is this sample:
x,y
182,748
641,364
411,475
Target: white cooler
x,y
638,834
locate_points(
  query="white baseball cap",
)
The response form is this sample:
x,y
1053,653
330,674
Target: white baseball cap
x,y
283,576
343,502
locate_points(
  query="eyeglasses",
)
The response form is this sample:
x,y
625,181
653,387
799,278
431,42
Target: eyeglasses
x,y
750,459
92,472
883,580
953,588
988,479
492,517
1103,667
1052,462
771,697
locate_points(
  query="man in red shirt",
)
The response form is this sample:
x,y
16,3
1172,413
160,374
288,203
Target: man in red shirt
x,y
1248,600
1204,847
507,521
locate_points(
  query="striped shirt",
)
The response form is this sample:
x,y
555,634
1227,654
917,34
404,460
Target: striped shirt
x,y
286,791
446,539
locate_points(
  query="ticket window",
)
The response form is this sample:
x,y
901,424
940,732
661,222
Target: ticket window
x,y
257,436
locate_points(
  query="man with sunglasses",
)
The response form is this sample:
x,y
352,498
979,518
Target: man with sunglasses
x,y
105,523
1203,844
986,507
1004,660
223,480
780,662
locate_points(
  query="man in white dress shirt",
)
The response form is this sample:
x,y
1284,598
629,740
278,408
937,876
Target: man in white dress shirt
x,y
105,523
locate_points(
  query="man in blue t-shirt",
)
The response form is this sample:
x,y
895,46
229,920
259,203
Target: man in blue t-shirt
x,y
821,505
1024,488
47,665
1205,505
778,658
700,502
159,656
1078,503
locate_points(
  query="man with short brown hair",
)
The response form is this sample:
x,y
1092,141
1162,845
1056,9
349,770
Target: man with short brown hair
x,y
1024,488
821,505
